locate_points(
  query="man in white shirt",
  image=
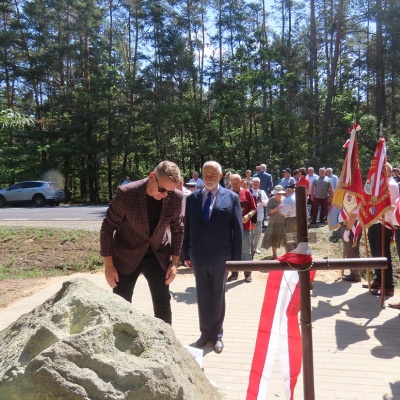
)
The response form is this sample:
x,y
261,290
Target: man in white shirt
x,y
261,200
334,178
289,212
311,176
197,180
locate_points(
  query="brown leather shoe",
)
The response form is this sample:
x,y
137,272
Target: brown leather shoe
x,y
374,285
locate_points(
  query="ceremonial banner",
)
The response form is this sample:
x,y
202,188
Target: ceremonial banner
x,y
279,325
333,217
351,179
376,195
350,182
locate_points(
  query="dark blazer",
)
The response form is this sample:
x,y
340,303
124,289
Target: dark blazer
x,y
127,217
220,239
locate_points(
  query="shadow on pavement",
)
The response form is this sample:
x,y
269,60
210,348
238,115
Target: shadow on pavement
x,y
187,297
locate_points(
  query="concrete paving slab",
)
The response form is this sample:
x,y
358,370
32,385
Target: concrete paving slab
x,y
356,342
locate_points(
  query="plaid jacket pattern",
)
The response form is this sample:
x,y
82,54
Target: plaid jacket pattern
x,y
125,232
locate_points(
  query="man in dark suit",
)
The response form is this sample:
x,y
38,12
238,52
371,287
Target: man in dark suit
x,y
266,184
213,235
133,236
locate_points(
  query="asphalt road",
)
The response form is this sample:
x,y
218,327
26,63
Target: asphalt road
x,y
61,213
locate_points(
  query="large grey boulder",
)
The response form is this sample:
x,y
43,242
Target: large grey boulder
x,y
87,343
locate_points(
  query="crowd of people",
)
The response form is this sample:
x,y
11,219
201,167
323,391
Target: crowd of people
x,y
152,223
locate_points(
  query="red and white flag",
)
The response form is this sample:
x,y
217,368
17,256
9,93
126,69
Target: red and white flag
x,y
279,325
351,179
376,198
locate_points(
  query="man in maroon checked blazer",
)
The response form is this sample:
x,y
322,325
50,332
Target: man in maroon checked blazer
x,y
133,236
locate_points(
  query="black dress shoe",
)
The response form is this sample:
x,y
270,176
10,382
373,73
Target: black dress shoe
x,y
388,292
248,279
218,346
201,342
351,278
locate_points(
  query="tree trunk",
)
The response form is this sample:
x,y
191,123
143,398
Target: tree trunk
x,y
332,76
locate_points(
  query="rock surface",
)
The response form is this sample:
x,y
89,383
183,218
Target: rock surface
x,y
87,343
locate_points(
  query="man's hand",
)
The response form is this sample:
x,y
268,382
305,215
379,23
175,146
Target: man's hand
x,y
110,273
346,235
171,273
188,263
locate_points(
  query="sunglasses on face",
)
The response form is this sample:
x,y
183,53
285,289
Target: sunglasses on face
x,y
161,189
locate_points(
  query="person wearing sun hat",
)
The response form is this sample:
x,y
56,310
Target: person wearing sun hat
x,y
275,230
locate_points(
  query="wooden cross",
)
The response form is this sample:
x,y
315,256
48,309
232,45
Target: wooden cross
x,y
304,278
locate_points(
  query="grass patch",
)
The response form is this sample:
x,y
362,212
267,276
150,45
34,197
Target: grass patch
x,y
43,252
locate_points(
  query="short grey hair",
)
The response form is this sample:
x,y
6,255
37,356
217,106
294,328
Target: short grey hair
x,y
213,164
236,176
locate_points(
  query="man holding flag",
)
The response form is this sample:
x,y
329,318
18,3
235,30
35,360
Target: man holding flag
x,y
396,219
376,214
345,203
350,230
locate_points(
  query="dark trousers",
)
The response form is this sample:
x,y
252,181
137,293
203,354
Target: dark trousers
x,y
155,276
397,239
375,243
210,287
310,203
324,209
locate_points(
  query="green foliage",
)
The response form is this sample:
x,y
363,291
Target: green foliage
x,y
13,119
116,87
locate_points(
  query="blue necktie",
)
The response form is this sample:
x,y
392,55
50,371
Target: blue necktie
x,y
206,208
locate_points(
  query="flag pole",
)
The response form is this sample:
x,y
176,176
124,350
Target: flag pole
x,y
343,256
367,256
383,255
305,299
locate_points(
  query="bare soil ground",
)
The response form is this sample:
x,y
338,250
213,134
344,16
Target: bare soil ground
x,y
33,257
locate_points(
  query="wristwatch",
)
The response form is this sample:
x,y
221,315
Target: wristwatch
x,y
173,263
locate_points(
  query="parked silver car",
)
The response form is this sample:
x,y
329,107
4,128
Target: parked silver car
x,y
38,193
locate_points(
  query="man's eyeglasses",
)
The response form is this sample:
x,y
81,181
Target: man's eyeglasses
x,y
161,189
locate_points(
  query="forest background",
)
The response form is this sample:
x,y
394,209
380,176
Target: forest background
x,y
114,87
